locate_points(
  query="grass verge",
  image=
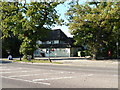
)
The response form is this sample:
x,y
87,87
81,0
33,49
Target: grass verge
x,y
37,61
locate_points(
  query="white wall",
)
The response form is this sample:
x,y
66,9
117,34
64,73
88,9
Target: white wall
x,y
54,52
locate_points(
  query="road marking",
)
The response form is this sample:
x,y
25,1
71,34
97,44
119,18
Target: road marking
x,y
90,75
26,80
2,67
15,72
87,75
51,78
11,69
38,74
20,71
115,75
66,72
29,75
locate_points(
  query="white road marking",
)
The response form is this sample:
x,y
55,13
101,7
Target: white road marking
x,y
51,78
39,74
115,75
10,69
87,75
90,75
26,80
20,71
15,72
29,75
2,67
67,72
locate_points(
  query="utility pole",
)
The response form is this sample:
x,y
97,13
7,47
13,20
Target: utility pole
x,y
117,44
49,56
49,51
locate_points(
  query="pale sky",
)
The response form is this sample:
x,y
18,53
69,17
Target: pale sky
x,y
62,9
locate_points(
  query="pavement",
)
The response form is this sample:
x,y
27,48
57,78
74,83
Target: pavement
x,y
62,58
74,61
82,61
101,63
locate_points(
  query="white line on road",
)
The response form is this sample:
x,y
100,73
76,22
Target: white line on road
x,y
2,67
90,75
15,72
29,75
10,69
115,75
26,80
51,78
40,74
20,71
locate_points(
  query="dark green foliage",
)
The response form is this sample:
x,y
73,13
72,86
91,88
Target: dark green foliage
x,y
29,22
97,25
11,46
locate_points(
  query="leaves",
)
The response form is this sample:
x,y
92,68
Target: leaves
x,y
94,24
29,22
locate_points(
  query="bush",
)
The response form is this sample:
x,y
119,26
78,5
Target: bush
x,y
24,57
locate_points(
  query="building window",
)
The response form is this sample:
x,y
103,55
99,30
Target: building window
x,y
62,42
39,42
56,41
48,42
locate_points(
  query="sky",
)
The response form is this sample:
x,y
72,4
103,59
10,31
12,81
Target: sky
x,y
62,9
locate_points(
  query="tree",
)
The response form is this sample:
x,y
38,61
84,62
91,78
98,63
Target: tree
x,y
29,22
95,24
10,42
11,46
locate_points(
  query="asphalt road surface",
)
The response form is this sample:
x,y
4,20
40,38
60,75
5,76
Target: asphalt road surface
x,y
16,75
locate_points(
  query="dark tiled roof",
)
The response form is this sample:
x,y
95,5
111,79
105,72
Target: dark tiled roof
x,y
55,46
57,34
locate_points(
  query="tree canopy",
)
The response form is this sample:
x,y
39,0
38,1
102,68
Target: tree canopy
x,y
95,24
28,21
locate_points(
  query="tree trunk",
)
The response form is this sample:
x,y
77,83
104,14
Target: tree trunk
x,y
94,57
32,56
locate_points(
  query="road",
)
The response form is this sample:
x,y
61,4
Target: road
x,y
19,75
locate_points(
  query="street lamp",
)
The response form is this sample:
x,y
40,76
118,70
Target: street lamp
x,y
49,52
117,50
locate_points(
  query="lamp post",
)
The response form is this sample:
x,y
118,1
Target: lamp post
x,y
29,56
117,43
49,53
117,50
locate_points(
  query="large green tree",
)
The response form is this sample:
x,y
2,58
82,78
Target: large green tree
x,y
11,46
95,24
29,22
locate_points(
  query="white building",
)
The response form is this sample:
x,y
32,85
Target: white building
x,y
57,44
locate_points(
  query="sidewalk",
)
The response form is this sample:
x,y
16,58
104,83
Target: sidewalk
x,y
78,61
99,63
82,61
61,58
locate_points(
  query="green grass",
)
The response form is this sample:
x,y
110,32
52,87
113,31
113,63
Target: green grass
x,y
37,61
